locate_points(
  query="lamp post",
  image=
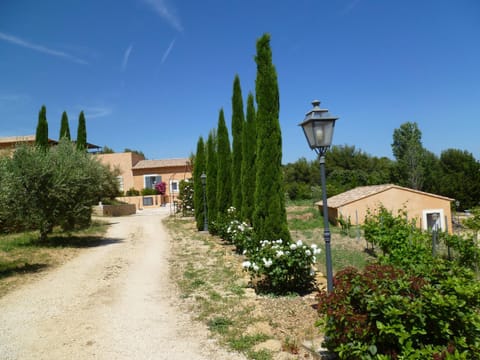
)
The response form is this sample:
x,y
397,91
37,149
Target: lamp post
x,y
203,177
318,128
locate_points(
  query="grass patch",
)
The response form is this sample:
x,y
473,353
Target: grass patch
x,y
246,342
23,254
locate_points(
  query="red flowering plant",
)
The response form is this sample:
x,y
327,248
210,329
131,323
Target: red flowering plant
x,y
161,188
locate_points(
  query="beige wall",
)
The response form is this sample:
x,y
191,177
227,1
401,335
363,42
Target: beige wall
x,y
124,162
168,174
416,204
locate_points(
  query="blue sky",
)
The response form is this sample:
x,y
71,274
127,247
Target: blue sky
x,y
152,75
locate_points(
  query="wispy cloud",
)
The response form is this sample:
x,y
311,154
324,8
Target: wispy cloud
x,y
40,48
96,112
126,55
166,12
351,5
13,98
167,52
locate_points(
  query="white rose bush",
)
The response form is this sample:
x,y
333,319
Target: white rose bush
x,y
282,266
276,266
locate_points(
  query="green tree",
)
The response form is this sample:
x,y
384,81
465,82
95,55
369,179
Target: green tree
x,y
49,188
238,120
199,167
212,164
249,145
41,136
269,219
224,167
82,132
460,177
409,152
64,127
107,150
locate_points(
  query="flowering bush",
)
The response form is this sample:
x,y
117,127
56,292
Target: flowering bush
x,y
282,266
240,235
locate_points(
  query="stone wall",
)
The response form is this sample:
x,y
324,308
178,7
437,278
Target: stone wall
x,y
114,210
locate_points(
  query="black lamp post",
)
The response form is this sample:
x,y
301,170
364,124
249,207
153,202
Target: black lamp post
x,y
205,217
318,128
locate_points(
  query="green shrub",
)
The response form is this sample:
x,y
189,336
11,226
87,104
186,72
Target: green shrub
x,y
132,192
146,192
387,313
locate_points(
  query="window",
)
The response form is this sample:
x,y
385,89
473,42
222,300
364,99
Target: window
x,y
151,180
173,186
433,219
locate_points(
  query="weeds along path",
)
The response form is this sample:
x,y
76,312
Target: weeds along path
x,y
113,301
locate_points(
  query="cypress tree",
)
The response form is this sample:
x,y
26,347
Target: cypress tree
x,y
224,167
64,127
269,219
249,143
238,120
212,163
82,133
41,135
198,169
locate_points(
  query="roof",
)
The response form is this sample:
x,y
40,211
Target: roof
x,y
20,139
148,164
362,192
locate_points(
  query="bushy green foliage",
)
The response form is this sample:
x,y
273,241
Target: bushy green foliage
x,y
410,305
132,192
387,313
147,191
42,189
186,197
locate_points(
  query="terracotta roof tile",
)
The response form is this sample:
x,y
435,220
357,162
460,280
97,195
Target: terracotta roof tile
x,y
366,191
147,164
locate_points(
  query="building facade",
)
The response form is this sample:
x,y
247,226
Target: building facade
x,y
429,210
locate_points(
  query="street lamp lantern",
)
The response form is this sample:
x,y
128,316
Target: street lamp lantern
x,y
203,178
318,127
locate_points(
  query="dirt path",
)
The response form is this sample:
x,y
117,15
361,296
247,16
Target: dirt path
x,y
112,302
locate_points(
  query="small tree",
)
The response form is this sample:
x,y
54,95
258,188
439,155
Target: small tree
x,y
82,133
41,136
56,187
64,127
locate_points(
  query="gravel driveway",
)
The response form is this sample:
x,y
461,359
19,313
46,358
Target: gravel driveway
x,y
113,301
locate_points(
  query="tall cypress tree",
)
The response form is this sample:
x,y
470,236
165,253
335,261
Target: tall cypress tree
x,y
198,169
82,132
224,168
249,143
64,127
238,120
269,219
212,163
41,135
